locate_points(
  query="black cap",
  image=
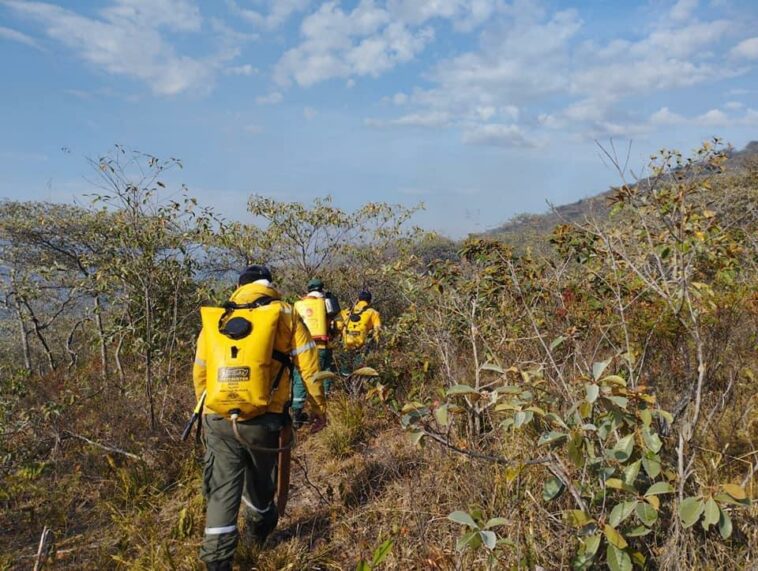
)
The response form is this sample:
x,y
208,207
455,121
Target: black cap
x,y
254,273
365,295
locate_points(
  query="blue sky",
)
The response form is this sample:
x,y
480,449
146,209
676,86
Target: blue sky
x,y
480,109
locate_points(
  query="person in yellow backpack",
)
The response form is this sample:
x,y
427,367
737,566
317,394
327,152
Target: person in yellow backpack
x,y
318,310
245,355
360,326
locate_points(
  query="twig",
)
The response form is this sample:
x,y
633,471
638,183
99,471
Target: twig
x,y
308,480
45,542
103,446
501,460
558,470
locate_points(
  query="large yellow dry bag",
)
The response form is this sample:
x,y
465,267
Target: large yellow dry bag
x,y
356,329
243,368
312,310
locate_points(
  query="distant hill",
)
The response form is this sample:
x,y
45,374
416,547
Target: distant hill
x,y
522,228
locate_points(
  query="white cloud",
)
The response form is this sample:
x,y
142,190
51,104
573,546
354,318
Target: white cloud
x,y
746,49
244,70
338,44
16,36
734,105
309,113
683,9
127,38
529,56
277,12
497,134
253,129
430,119
713,118
270,99
664,116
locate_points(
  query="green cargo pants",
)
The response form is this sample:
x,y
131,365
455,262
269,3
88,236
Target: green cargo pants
x,y
234,474
299,394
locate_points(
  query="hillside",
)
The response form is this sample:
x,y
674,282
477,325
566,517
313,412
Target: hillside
x,y
592,404
526,226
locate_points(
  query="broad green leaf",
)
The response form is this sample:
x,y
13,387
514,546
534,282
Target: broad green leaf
x,y
621,402
725,524
415,436
724,498
652,440
639,559
536,410
461,390
620,512
550,437
495,522
613,380
614,483
711,513
623,449
690,511
638,531
578,518
592,543
592,391
614,537
652,465
489,539
552,417
552,489
463,518
493,367
599,367
646,416
522,417
631,472
413,406
646,513
440,415
659,488
617,559
735,491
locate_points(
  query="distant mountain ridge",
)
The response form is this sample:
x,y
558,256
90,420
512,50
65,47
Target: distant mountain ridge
x,y
523,226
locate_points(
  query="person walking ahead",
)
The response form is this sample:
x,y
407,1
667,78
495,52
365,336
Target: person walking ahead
x,y
245,354
318,316
360,331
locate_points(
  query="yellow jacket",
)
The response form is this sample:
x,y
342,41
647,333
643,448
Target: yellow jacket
x,y
292,338
370,320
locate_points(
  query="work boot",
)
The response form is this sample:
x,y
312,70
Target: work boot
x,y
259,525
225,565
299,418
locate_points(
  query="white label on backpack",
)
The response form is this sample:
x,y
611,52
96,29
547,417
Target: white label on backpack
x,y
233,374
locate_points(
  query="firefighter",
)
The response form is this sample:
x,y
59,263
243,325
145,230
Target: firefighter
x,y
317,309
360,326
246,353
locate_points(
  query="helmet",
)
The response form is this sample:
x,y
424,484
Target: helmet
x,y
315,285
254,273
364,295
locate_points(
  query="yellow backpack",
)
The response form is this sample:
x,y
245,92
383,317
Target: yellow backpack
x,y
243,368
313,312
356,328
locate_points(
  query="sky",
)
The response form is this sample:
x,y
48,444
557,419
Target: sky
x,y
479,109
